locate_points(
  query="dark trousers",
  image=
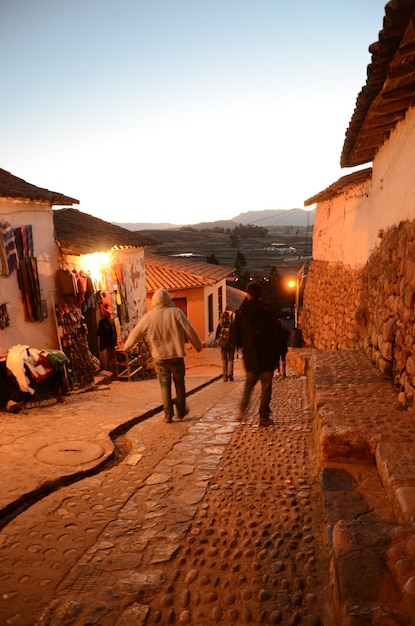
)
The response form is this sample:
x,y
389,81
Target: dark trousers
x,y
168,370
266,390
227,363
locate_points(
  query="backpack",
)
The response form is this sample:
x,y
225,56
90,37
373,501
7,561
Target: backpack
x,y
225,338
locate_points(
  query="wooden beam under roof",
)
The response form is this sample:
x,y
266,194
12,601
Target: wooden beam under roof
x,y
389,88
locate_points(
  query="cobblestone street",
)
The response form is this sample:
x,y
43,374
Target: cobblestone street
x,y
254,553
207,521
110,516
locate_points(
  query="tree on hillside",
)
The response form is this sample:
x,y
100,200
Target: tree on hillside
x,y
250,230
242,279
240,261
242,272
212,258
277,293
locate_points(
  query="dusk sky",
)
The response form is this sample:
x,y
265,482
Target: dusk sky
x,y
181,111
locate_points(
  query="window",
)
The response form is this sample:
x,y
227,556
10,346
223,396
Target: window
x,y
210,313
220,302
181,304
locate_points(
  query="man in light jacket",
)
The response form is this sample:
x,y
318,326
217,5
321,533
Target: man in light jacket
x,y
168,329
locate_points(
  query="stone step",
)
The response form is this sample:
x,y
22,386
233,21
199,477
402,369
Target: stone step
x,y
366,448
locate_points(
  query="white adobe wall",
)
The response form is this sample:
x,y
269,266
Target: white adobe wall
x,y
340,235
213,290
393,191
43,334
347,227
132,260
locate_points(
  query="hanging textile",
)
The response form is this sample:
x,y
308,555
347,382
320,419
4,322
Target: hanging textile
x,y
18,238
107,334
118,273
9,259
24,241
4,316
122,304
29,286
90,299
29,236
73,337
65,283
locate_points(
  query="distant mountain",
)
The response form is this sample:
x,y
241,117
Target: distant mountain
x,y
289,217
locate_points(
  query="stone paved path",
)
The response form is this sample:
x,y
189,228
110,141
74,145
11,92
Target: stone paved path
x,y
206,521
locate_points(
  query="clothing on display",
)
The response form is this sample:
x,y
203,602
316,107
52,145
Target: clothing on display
x,y
73,337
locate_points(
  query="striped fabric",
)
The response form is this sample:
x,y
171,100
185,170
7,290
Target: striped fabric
x,y
9,259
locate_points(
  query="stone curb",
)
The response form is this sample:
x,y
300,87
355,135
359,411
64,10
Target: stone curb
x,y
367,459
70,461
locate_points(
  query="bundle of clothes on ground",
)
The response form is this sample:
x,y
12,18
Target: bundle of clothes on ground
x,y
29,373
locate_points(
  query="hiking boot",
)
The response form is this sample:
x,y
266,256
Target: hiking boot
x,y
14,407
183,415
266,422
167,418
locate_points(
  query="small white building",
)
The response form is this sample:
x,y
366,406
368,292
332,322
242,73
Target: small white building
x,y
28,262
198,288
99,265
56,269
360,288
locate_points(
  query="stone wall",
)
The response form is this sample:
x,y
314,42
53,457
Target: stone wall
x,y
332,297
370,308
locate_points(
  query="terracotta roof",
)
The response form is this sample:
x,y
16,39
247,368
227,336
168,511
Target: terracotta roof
x,y
341,185
390,86
79,233
14,187
172,273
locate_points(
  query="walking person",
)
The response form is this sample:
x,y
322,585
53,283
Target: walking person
x,y
256,334
226,341
282,342
168,329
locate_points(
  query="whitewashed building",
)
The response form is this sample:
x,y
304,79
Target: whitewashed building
x,y
29,259
360,287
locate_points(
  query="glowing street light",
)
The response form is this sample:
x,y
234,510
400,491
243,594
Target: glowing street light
x,y
294,284
302,274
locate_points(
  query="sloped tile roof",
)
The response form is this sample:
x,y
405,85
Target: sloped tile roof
x,y
234,297
79,233
340,186
13,187
172,273
390,86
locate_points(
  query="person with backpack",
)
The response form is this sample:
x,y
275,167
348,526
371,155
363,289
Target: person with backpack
x,y
225,339
256,333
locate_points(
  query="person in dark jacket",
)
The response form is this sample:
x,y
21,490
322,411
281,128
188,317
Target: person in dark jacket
x,y
282,335
11,398
107,338
256,333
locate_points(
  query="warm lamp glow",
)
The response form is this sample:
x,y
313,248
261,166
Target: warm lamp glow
x,y
292,284
94,264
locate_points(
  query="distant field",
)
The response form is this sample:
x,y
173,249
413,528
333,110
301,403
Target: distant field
x,y
256,249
